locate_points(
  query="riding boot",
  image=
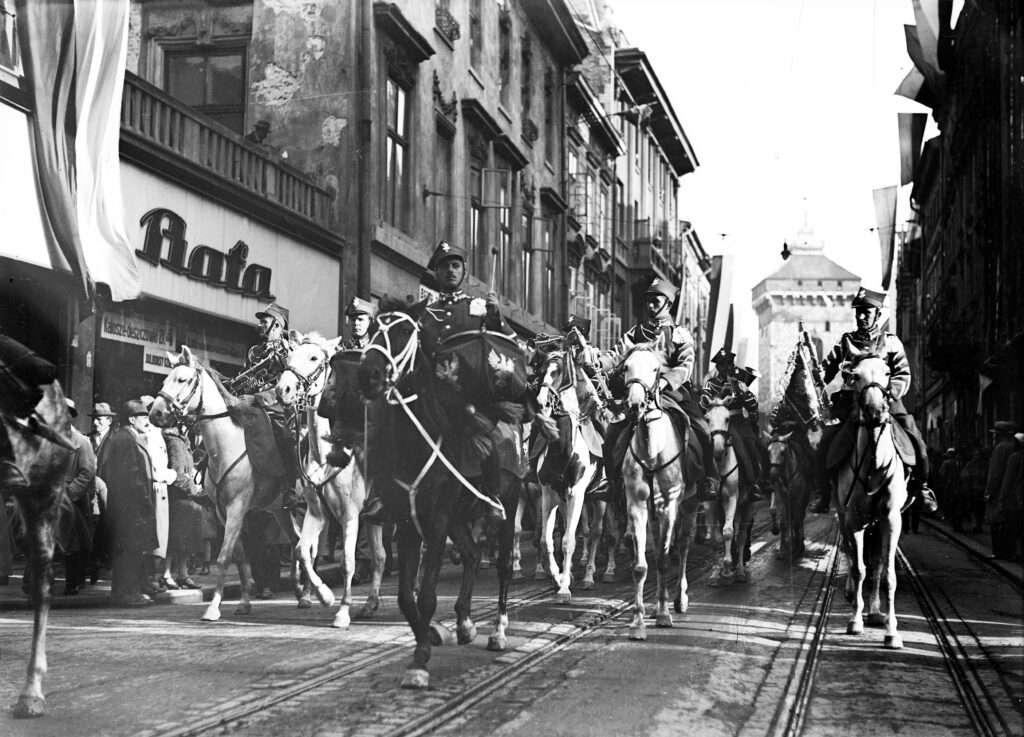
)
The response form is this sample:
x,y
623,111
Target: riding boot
x,y
708,487
821,501
289,499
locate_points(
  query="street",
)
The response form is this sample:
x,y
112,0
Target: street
x,y
733,664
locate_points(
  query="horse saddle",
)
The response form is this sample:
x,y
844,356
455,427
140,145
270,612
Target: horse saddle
x,y
843,444
263,441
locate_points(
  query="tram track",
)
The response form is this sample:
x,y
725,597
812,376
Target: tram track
x,y
613,603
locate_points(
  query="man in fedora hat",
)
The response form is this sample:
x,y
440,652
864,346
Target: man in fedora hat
x,y
102,418
74,530
869,338
1002,433
726,379
679,357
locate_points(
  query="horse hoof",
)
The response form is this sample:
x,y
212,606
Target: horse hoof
x,y
563,597
367,610
608,578
29,707
243,608
876,619
855,628
682,604
342,620
587,585
893,642
325,595
416,678
775,528
663,621
518,575
440,635
638,633
305,603
497,643
719,581
741,577
466,634
211,615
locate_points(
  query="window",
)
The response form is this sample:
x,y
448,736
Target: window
x,y
211,80
476,35
505,56
549,294
526,74
506,261
477,224
443,202
550,133
526,286
396,166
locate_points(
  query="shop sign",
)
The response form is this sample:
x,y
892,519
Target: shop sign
x,y
164,245
157,338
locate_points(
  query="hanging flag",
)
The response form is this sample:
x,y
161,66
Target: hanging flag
x,y
885,217
719,306
911,128
984,382
101,30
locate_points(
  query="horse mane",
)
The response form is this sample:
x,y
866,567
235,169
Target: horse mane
x,y
856,360
721,402
648,348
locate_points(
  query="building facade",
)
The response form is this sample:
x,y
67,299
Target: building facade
x,y
810,289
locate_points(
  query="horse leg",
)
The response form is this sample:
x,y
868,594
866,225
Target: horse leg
x,y
611,524
591,542
744,526
782,522
687,525
725,573
507,537
638,521
665,537
546,563
409,548
857,572
574,508
375,534
462,534
874,564
313,524
889,531
517,553
40,530
234,516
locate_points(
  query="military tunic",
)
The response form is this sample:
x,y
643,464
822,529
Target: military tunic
x,y
456,312
860,343
679,352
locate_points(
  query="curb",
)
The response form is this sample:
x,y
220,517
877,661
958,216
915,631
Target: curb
x,y
979,552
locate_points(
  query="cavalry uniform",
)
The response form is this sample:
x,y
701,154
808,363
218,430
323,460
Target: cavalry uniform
x,y
737,381
852,346
679,358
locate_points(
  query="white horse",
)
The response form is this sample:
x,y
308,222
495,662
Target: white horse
x,y
653,472
870,491
560,395
190,391
327,489
731,515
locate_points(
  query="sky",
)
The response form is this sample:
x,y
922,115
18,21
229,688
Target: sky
x,y
789,106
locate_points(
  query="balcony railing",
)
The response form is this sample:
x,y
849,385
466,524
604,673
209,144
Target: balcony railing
x,y
153,115
445,22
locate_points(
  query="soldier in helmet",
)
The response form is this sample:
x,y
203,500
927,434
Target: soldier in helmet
x,y
264,364
728,378
679,357
359,315
869,338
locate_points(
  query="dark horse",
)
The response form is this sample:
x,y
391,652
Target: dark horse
x,y
409,441
797,424
37,439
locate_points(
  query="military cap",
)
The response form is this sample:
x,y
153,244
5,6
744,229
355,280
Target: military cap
x,y
1004,427
445,250
723,356
664,288
275,311
868,298
101,409
579,323
746,374
358,306
134,408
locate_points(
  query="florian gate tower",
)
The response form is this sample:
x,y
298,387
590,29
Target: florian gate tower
x,y
809,288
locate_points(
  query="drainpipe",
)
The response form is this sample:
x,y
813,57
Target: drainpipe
x,y
368,185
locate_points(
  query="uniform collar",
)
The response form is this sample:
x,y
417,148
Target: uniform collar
x,y
360,342
448,298
871,333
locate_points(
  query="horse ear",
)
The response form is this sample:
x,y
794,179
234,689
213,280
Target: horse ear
x,y
174,358
187,357
294,336
332,346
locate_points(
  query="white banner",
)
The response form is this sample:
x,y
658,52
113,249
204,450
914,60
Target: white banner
x,y
159,337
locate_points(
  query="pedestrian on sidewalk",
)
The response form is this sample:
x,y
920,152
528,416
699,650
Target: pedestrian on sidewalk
x,y
74,528
1009,503
1003,432
185,516
163,475
969,493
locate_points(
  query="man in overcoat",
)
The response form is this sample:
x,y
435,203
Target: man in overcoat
x,y
126,467
74,531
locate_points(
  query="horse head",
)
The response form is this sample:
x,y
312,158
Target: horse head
x,y
869,377
305,377
641,371
554,376
391,354
717,416
778,449
182,392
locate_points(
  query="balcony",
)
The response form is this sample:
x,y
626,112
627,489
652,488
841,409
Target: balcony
x,y
445,22
151,117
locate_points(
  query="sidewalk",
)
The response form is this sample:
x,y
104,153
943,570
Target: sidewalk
x,y
979,545
11,598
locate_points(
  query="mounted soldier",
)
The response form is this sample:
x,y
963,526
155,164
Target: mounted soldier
x,y
264,364
675,396
728,379
868,339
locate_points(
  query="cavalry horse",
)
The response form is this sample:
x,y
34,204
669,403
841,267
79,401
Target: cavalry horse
x,y
731,515
568,467
654,476
797,422
328,489
41,452
870,492
190,390
408,441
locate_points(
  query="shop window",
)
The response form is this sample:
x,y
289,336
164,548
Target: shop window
x,y
213,81
396,167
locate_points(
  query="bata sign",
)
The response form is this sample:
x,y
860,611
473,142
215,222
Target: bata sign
x,y
165,245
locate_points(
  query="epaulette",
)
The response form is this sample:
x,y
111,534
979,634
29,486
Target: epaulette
x,y
681,335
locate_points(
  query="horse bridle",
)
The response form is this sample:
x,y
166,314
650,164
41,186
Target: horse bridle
x,y
179,407
651,391
398,365
886,394
307,382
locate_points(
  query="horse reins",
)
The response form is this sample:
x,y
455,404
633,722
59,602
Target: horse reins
x,y
306,382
